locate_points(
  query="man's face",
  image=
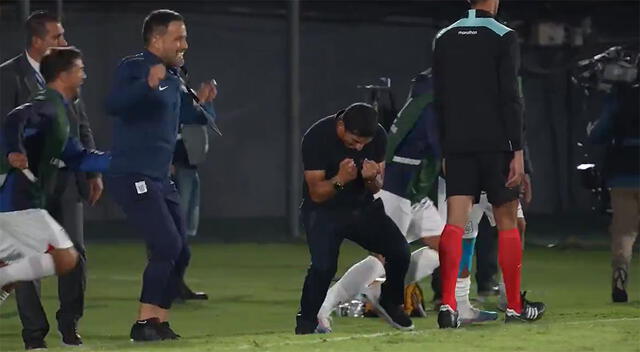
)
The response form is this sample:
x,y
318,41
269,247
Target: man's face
x,y
173,44
74,77
351,140
53,38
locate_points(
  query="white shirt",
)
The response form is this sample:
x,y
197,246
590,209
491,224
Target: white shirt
x,y
35,64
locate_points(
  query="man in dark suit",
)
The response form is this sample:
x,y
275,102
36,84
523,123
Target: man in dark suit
x,y
19,79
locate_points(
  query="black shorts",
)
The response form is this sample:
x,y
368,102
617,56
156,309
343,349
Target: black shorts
x,y
470,174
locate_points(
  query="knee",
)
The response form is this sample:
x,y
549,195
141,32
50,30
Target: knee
x,y
166,251
64,260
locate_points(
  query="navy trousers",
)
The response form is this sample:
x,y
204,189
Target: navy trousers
x,y
369,227
152,208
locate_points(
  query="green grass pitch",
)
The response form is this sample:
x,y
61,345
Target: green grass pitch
x,y
254,291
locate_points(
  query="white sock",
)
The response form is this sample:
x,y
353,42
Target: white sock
x,y
463,286
27,269
354,281
423,262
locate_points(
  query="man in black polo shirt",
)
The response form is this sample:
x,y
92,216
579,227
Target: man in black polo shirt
x,y
343,158
479,104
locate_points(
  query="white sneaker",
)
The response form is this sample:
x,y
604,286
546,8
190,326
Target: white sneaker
x,y
474,315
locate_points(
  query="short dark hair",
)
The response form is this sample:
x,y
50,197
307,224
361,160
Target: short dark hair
x,y
36,25
57,60
360,119
475,2
158,20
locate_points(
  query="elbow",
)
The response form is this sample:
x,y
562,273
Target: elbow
x,y
316,198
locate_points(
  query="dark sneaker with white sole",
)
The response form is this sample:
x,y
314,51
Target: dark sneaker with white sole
x,y
531,311
146,330
394,315
448,318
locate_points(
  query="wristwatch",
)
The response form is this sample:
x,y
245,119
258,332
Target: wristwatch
x,y
338,186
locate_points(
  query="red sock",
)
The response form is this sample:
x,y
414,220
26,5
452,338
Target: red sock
x,y
510,259
450,254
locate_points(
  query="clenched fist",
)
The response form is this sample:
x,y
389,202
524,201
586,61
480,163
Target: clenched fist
x,y
18,160
348,171
156,74
370,169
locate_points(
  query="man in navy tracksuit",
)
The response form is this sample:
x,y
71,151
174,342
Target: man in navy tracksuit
x,y
149,102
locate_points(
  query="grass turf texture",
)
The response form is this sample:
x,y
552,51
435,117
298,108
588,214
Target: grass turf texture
x,y
254,291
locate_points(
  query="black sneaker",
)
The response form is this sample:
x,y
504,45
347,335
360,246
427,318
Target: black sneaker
x,y
448,318
531,311
304,327
619,291
146,330
70,336
187,293
34,345
394,315
167,333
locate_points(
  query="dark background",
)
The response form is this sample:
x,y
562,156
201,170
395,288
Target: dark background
x,y
243,44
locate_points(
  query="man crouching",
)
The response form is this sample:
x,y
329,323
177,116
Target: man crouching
x,y
343,157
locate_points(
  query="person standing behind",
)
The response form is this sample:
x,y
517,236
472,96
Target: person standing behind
x,y
146,100
191,150
479,105
20,78
619,129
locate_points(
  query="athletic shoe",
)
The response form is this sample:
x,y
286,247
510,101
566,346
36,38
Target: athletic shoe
x,y
4,295
70,336
448,318
619,291
187,294
531,311
35,345
146,330
475,315
324,326
394,315
304,327
489,288
166,332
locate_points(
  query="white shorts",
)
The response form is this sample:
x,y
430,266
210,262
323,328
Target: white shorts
x,y
28,232
477,211
415,221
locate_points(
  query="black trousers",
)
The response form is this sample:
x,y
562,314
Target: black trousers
x,y
486,255
67,209
153,210
369,227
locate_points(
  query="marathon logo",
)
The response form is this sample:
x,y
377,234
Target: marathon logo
x,y
467,32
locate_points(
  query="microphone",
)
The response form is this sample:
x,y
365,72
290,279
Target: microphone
x,y
210,120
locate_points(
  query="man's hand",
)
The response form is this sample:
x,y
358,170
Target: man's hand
x,y
527,193
516,170
156,74
347,172
370,170
207,92
18,160
95,189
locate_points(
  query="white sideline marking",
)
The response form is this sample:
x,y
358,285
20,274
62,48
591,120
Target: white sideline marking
x,y
394,333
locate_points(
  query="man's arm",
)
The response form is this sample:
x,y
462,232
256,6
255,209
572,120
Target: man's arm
x,y
8,92
510,97
77,158
320,189
132,83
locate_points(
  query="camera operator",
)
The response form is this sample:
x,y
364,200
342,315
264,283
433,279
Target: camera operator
x,y
618,127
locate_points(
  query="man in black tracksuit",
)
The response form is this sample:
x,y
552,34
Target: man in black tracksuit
x,y
478,102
